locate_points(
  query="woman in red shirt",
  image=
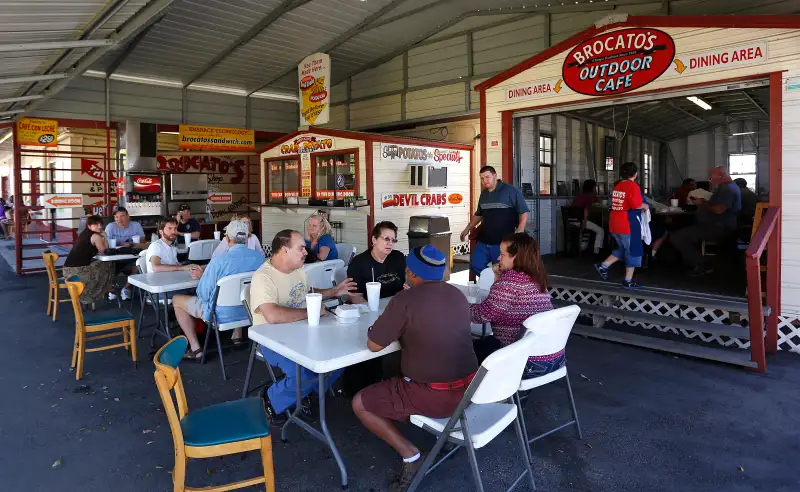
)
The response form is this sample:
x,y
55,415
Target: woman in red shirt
x,y
627,196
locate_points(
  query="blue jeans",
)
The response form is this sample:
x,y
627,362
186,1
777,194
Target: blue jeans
x,y
482,255
536,368
283,394
623,250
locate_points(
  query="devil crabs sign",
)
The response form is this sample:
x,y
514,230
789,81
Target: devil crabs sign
x,y
618,62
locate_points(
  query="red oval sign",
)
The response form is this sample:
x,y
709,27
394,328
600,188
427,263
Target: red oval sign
x,y
618,61
318,96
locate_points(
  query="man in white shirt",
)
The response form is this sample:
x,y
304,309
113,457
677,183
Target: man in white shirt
x,y
162,256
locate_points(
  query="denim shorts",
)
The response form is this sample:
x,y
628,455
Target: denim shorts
x,y
623,250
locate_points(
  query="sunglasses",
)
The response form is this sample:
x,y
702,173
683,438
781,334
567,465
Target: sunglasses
x,y
388,239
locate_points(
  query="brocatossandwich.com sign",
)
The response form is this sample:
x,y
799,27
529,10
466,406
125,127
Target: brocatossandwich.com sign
x,y
413,154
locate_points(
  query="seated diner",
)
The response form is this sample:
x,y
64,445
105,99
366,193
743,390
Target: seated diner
x,y
97,276
252,241
381,263
319,240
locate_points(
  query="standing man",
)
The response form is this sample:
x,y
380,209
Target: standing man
x,y
186,223
123,229
238,259
432,322
278,295
501,211
716,219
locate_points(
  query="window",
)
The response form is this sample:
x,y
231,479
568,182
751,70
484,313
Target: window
x,y
647,172
546,162
744,166
335,176
283,180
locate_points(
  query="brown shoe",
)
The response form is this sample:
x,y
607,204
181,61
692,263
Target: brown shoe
x,y
407,474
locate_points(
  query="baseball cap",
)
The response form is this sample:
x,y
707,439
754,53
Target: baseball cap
x,y
184,207
426,262
236,228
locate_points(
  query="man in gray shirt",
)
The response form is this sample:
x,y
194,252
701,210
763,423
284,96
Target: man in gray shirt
x,y
716,219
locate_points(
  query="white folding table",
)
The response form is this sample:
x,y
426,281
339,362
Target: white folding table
x,y
321,349
159,283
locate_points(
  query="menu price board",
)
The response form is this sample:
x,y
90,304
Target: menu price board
x,y
38,132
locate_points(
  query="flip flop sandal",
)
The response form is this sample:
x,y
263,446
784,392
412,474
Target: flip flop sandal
x,y
195,355
238,342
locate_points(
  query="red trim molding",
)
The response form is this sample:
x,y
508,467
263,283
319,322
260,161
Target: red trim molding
x,y
374,137
484,136
698,21
370,191
775,200
507,152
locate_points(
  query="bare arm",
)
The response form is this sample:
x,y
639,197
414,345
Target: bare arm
x,y
274,313
356,299
158,267
196,235
345,288
523,219
374,347
324,251
100,243
473,223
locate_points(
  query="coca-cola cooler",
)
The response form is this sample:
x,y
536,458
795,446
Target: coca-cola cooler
x,y
144,194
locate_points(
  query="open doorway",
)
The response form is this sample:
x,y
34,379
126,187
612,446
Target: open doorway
x,y
671,138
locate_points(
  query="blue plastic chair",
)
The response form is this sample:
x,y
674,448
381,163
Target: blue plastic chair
x,y
217,430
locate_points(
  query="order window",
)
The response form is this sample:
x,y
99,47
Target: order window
x,y
283,179
744,166
546,163
335,176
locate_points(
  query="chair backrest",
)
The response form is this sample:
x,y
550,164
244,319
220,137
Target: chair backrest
x,y
486,279
168,377
761,207
340,275
321,274
50,265
141,262
75,288
502,371
230,289
346,252
552,329
244,297
202,250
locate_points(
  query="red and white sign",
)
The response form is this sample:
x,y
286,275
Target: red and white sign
x,y
120,186
147,184
720,59
307,144
62,201
411,200
618,62
413,154
218,198
534,90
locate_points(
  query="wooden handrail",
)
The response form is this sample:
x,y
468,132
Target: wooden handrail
x,y
765,234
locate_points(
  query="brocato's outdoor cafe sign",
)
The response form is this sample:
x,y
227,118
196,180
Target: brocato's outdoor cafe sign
x,y
421,155
618,62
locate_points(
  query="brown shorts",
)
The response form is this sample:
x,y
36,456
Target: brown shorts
x,y
398,399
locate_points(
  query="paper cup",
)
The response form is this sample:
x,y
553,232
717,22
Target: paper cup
x,y
112,243
673,202
472,289
373,295
136,239
313,308
187,238
218,235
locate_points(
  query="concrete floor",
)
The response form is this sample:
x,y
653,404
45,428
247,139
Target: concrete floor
x,y
651,422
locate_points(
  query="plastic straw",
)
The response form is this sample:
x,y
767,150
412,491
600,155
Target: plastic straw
x,y
373,274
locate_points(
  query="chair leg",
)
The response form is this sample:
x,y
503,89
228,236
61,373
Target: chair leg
x,y
246,388
574,408
266,460
473,460
133,344
205,344
221,360
49,299
126,339
523,443
179,473
528,451
55,303
75,346
81,355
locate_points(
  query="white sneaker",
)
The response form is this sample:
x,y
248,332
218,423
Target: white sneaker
x,y
112,296
126,294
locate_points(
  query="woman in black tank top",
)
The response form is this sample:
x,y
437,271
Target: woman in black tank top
x,y
97,276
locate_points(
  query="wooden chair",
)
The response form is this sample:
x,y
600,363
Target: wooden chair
x,y
54,284
218,430
116,321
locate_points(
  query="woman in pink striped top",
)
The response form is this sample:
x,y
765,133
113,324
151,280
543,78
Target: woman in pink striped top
x,y
519,291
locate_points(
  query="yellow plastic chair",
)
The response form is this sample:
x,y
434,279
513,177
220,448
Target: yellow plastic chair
x,y
116,321
54,283
217,430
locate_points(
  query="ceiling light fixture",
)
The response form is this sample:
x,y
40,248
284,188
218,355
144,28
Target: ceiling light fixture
x,y
732,134
699,102
6,137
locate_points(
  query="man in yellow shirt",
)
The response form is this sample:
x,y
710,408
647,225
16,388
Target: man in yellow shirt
x,y
278,295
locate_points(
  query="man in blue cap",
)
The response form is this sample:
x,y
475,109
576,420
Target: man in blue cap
x,y
432,322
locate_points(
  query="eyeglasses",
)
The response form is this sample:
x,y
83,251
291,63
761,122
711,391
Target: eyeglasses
x,y
387,239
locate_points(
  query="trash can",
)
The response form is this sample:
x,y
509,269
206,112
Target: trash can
x,y
431,229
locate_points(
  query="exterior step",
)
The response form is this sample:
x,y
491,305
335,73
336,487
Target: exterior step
x,y
739,358
733,331
723,303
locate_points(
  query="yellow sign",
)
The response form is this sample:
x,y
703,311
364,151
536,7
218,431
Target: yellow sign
x,y
35,131
194,137
315,80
